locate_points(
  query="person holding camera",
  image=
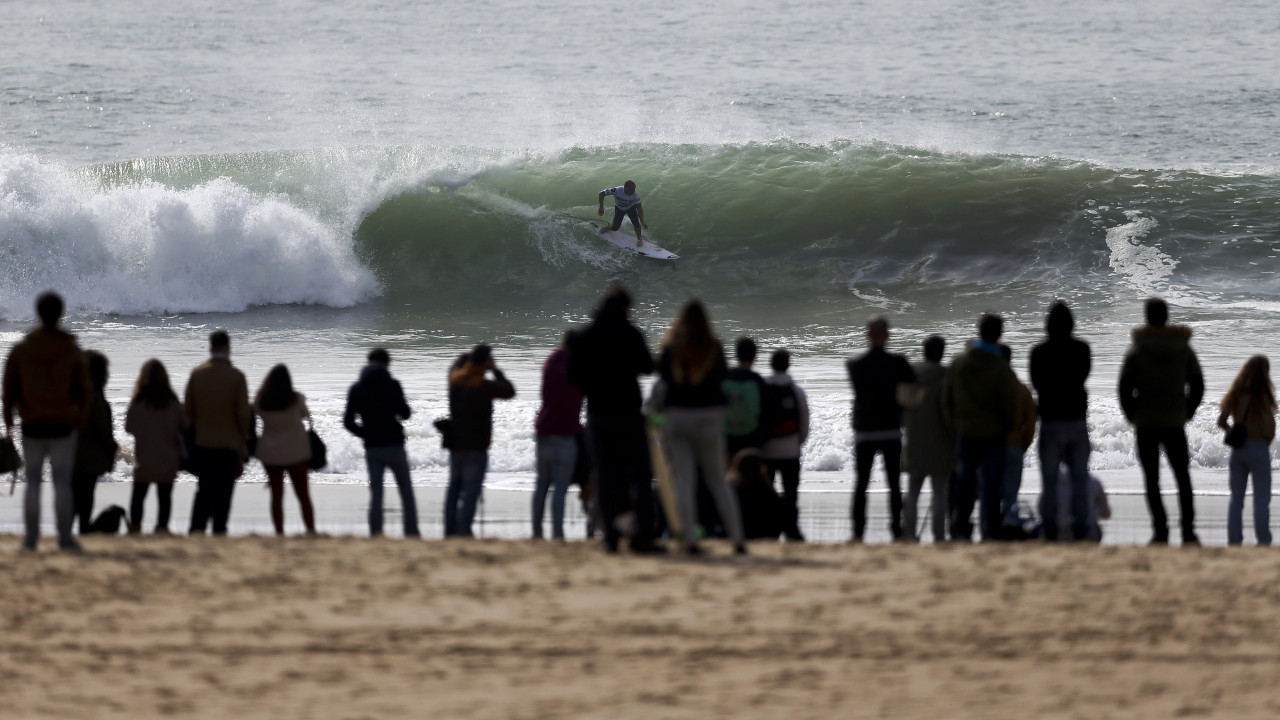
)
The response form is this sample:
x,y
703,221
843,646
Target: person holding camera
x,y
471,395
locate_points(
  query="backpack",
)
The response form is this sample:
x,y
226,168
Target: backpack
x,y
781,413
742,415
108,521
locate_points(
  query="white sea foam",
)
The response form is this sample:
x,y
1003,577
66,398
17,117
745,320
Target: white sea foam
x,y
146,248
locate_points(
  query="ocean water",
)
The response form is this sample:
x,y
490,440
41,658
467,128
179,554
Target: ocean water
x,y
323,179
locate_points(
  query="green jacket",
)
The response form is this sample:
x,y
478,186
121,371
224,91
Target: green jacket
x,y
980,394
1160,382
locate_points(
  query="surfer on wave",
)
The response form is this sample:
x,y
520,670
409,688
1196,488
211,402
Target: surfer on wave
x,y
626,203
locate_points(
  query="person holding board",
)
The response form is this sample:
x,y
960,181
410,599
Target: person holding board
x,y
626,203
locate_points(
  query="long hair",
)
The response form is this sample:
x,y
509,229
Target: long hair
x,y
152,386
276,392
692,345
1253,382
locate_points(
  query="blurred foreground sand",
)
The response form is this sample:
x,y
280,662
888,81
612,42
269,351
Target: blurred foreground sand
x,y
357,628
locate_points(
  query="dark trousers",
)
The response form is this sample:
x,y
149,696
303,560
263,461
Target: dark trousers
x,y
617,218
1174,440
216,474
864,455
82,487
978,457
789,469
164,500
624,480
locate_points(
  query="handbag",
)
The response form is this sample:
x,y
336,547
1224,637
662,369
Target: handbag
x,y
444,426
10,460
1237,435
319,453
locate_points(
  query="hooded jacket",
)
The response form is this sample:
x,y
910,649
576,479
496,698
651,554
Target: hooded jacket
x,y
1059,368
931,444
1160,382
46,381
377,400
980,394
605,359
471,397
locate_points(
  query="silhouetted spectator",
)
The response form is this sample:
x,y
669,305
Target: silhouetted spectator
x,y
46,382
980,398
764,515
217,407
557,426
375,408
284,446
471,396
693,367
877,422
604,360
744,401
930,450
786,412
1059,368
95,444
1250,403
1160,388
156,421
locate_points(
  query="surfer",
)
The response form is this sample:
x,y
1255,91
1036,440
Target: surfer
x,y
626,203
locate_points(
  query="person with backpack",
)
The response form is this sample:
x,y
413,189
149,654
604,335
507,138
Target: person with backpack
x,y
786,415
877,422
155,421
744,396
96,444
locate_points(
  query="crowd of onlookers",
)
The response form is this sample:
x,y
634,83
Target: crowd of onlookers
x,y
715,437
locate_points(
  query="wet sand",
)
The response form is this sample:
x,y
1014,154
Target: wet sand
x,y
355,628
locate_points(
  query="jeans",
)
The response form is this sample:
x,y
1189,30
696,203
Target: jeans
x,y
789,469
164,504
557,455
1065,441
985,457
938,505
466,480
1011,483
82,491
216,482
1254,458
864,455
695,441
624,480
392,457
1174,441
61,453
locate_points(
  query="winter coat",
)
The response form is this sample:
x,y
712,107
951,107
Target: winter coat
x,y
377,401
1160,382
46,381
980,394
217,406
96,443
283,441
930,447
157,433
471,397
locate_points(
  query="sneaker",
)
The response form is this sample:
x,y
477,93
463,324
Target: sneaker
x,y
1159,540
1190,540
28,546
70,545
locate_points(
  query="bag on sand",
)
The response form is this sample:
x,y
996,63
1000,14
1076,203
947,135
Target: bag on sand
x,y
108,521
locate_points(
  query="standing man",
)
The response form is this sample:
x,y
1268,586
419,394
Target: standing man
x,y
46,381
980,396
877,422
604,360
471,396
787,410
217,408
744,390
626,203
1160,388
375,409
1059,368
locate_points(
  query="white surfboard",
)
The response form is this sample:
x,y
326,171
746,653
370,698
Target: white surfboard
x,y
627,241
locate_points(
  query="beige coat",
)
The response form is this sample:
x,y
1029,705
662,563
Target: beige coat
x,y
217,404
284,441
157,453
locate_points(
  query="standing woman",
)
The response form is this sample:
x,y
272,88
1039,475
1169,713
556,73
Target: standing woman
x,y
284,446
155,420
693,367
96,444
1251,403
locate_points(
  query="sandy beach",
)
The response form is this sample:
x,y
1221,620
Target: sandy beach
x,y
354,628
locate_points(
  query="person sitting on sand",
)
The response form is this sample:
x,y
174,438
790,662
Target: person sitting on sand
x,y
626,203
375,408
471,396
1160,388
1097,505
